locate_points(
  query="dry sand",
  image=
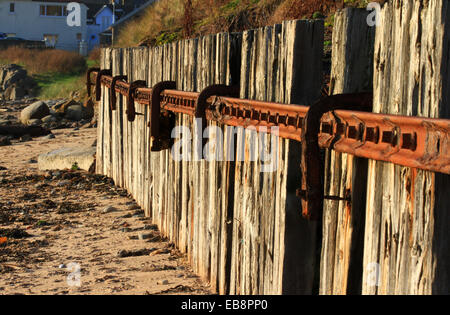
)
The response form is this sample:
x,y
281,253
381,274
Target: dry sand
x,y
56,224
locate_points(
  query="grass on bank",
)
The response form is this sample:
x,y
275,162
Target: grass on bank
x,y
58,85
57,73
166,21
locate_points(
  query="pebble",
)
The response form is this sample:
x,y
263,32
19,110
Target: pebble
x,y
133,207
160,251
25,138
63,183
109,209
150,227
49,136
162,282
32,161
62,266
144,236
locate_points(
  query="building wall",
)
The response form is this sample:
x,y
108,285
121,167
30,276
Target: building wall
x,y
26,22
97,28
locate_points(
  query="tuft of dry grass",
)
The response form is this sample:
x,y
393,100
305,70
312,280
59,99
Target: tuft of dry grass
x,y
161,18
44,61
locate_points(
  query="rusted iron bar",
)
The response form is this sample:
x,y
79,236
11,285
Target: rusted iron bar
x,y
260,115
409,141
113,97
179,101
404,140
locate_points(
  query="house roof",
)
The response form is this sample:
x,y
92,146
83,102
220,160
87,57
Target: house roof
x,y
121,10
101,9
133,13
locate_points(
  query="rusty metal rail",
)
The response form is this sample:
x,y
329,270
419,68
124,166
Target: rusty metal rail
x,y
415,142
409,141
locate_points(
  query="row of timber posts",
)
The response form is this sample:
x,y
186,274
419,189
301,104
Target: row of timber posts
x,y
242,228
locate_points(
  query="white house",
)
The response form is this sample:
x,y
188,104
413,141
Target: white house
x,y
43,20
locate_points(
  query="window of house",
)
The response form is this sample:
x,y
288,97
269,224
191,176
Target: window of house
x,y
12,7
53,10
50,40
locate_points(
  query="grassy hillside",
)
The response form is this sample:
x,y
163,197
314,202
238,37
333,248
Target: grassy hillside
x,y
170,20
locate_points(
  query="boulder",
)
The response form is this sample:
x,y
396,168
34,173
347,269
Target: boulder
x,y
34,122
4,141
36,110
15,83
49,119
65,158
10,74
89,107
77,112
14,92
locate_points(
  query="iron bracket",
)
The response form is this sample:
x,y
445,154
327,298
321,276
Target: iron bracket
x,y
131,109
160,124
312,192
112,96
201,103
98,87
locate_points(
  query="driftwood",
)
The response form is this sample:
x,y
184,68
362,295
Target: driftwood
x,y
20,130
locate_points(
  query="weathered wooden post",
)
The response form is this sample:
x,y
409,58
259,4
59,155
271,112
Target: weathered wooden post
x,y
407,238
273,248
343,221
103,124
116,123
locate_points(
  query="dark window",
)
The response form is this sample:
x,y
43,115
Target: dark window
x,y
11,7
54,10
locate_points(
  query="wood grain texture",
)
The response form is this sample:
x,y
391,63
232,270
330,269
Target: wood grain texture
x,y
407,209
343,221
273,248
